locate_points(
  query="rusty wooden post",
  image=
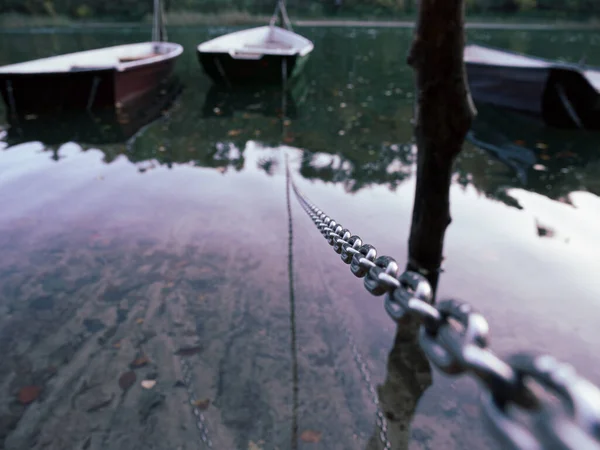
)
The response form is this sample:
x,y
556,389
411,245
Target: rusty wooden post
x,y
443,115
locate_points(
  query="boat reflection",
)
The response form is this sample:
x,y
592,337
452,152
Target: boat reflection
x,y
230,119
116,125
266,101
548,161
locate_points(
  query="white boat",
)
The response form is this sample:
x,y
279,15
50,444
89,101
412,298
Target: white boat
x,y
91,79
562,95
263,55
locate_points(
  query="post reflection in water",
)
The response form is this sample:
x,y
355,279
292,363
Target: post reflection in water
x,y
550,162
408,376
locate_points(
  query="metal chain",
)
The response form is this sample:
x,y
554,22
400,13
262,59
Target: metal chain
x,y
366,376
200,420
362,366
454,337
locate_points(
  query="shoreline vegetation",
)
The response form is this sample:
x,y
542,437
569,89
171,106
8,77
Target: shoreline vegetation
x,y
15,21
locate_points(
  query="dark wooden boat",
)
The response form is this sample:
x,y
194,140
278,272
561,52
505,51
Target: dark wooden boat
x,y
90,79
261,55
563,95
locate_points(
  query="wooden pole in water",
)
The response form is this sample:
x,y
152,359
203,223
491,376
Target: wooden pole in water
x,y
443,115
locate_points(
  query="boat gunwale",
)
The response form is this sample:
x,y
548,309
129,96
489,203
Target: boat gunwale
x,y
587,71
550,63
175,50
296,50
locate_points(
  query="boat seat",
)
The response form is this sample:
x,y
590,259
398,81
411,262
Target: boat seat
x,y
594,78
126,59
269,44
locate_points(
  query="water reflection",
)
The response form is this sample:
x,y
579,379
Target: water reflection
x,y
104,128
547,161
266,101
407,378
292,297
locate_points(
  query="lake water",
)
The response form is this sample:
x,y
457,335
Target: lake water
x,y
159,253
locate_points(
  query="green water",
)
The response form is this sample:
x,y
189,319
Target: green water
x,y
169,240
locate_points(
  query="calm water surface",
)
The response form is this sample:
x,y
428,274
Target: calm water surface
x,y
157,251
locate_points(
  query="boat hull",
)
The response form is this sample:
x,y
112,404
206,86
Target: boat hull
x,y
559,94
35,93
90,89
137,81
222,68
520,88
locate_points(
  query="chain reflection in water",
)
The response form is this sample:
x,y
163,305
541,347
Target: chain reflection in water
x,y
200,420
294,434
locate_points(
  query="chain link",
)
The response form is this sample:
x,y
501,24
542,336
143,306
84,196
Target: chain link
x,y
455,339
200,420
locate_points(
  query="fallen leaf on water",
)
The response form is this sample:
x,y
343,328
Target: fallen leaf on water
x,y
566,154
139,321
29,394
520,142
202,404
127,380
311,436
471,410
182,264
253,446
148,384
117,344
545,157
234,132
288,139
541,145
138,362
257,132
188,351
